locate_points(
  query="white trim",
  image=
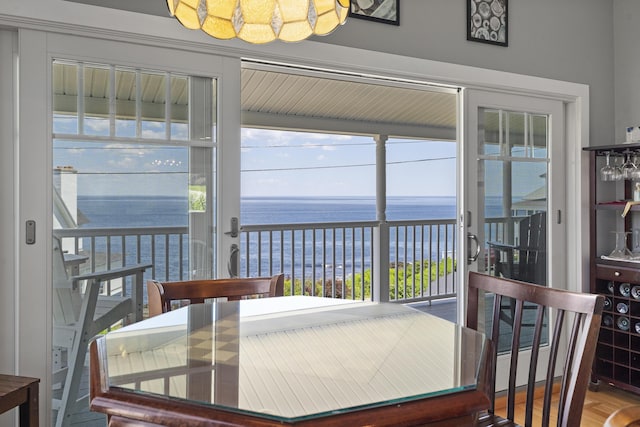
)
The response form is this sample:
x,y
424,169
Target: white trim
x,y
9,360
33,177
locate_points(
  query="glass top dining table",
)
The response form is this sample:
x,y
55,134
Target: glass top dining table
x,y
289,359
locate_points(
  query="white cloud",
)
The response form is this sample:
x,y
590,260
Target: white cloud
x,y
97,126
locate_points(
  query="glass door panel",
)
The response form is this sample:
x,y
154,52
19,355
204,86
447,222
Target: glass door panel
x,y
513,183
134,156
514,172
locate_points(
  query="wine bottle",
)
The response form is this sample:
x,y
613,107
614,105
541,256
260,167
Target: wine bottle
x,y
607,320
622,307
625,289
608,304
623,323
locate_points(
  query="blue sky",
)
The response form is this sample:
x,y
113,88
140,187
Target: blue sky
x,y
301,164
279,163
274,163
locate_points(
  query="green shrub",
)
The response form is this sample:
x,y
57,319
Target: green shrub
x,y
400,278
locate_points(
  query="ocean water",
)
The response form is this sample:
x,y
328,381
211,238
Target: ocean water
x,y
147,211
128,211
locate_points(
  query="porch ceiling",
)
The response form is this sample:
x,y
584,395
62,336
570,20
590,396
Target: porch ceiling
x,y
276,99
339,103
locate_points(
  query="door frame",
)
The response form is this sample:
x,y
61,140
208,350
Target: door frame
x,y
32,311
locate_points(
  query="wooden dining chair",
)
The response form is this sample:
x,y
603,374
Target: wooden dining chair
x,y
161,295
628,416
584,311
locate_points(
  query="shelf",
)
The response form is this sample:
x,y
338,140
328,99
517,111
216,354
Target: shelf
x,y
617,263
616,205
617,148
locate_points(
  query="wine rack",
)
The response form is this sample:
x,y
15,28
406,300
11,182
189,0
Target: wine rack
x,y
618,353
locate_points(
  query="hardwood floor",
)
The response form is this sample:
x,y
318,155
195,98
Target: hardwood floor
x,y
597,406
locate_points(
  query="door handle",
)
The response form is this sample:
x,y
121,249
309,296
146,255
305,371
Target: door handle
x,y
474,257
232,265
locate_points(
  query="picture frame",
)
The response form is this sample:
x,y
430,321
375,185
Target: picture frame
x,y
385,11
488,21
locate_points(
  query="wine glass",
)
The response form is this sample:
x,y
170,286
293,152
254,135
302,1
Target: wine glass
x,y
636,173
617,169
635,239
607,173
628,167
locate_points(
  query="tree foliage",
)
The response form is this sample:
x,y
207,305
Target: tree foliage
x,y
405,281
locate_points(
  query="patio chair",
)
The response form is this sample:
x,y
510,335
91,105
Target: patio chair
x,y
583,310
161,295
527,260
80,312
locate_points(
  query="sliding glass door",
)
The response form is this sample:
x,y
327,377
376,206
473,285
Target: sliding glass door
x,y
514,195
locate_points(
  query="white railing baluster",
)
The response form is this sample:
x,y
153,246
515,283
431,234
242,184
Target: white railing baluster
x,y
426,244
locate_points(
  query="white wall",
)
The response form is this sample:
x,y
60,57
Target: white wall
x,y
626,66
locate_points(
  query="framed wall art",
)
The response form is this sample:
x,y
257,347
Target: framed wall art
x,y
386,11
487,21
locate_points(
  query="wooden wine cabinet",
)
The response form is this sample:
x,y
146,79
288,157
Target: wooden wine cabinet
x,y
617,359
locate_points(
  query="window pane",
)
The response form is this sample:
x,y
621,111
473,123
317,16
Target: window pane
x,y
180,107
96,95
153,105
65,98
126,97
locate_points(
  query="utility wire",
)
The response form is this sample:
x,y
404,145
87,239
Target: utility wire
x,y
274,169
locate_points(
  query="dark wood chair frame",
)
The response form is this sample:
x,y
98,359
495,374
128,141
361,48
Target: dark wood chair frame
x,y
583,337
628,416
161,294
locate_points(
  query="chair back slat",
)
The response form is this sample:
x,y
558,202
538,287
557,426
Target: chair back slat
x,y
535,351
161,295
586,311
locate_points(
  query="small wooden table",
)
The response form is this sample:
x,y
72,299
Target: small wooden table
x,y
290,361
23,392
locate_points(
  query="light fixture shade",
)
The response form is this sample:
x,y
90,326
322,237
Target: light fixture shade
x,y
261,21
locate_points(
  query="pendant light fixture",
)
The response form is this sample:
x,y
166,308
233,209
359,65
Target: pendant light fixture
x,y
261,21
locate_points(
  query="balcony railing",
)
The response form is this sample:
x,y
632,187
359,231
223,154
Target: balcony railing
x,y
329,259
